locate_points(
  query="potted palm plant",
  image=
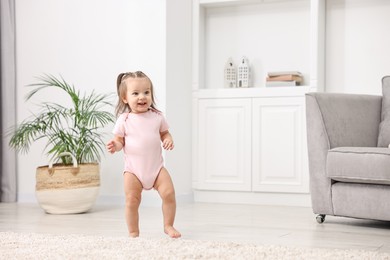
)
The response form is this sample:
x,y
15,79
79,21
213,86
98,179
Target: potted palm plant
x,y
73,135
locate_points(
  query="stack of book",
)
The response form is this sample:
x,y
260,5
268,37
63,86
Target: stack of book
x,y
284,78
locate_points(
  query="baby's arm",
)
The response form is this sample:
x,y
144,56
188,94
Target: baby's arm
x,y
167,140
116,144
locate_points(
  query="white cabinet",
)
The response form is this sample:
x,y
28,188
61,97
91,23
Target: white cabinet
x,y
224,144
249,145
279,161
252,144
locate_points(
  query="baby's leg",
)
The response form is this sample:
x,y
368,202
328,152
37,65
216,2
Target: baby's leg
x,y
165,188
133,190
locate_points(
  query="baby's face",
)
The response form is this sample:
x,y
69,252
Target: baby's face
x,y
138,95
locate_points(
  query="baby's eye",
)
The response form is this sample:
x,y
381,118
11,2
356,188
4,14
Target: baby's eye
x,y
147,92
135,93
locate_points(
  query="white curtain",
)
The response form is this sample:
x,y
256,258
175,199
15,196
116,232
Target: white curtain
x,y
8,181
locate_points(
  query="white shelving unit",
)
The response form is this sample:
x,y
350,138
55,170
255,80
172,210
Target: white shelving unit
x,y
274,35
249,145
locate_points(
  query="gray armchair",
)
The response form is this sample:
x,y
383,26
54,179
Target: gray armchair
x,y
348,136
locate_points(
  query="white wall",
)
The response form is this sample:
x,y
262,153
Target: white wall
x,y
178,93
357,45
89,43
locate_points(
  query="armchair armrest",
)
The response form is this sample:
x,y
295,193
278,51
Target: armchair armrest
x,y
335,120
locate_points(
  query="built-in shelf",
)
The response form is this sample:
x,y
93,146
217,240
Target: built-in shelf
x,y
275,35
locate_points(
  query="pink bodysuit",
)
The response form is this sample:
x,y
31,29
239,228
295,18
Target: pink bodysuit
x,y
143,152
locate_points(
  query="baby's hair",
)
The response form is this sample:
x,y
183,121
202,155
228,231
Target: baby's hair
x,y
122,89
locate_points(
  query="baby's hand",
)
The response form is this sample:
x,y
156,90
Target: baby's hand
x,y
111,146
168,144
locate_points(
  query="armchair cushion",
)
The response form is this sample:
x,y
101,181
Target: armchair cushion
x,y
359,165
384,127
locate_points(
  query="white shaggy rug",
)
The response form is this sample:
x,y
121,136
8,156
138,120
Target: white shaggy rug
x,y
43,246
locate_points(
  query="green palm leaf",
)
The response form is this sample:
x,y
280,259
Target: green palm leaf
x,y
74,129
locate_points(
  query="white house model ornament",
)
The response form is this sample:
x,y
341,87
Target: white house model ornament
x,y
230,76
243,75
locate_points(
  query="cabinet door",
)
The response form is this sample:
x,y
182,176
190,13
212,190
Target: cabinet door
x,y
224,133
279,145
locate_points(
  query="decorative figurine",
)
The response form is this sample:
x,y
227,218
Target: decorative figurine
x,y
243,77
230,74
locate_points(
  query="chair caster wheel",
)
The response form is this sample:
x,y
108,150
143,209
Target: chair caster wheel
x,y
320,218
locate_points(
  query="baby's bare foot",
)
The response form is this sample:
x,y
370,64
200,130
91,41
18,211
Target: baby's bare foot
x,y
134,234
172,232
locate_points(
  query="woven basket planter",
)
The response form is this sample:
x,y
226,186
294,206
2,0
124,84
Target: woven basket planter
x,y
67,189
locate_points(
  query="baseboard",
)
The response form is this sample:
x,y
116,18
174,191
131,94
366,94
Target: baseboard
x,y
253,198
26,198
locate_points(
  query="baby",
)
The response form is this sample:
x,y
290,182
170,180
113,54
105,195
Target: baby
x,y
139,131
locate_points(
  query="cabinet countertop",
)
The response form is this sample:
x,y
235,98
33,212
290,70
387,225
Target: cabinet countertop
x,y
253,92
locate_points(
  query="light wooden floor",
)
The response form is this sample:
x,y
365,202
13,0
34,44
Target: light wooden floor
x,y
276,225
